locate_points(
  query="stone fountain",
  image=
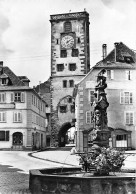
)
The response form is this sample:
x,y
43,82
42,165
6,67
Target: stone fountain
x,y
72,180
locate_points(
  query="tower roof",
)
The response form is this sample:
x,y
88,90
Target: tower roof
x,y
69,16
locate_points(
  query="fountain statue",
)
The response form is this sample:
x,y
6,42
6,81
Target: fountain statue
x,y
70,180
100,133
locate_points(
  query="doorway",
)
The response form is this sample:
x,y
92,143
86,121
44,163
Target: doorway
x,y
17,138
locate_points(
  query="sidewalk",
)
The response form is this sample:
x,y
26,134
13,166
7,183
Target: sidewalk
x,y
62,157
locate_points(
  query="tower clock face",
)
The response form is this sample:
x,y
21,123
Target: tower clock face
x,y
67,42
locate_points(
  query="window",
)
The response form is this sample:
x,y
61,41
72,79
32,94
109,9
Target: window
x,y
74,52
110,74
17,117
121,137
32,99
78,40
4,135
4,81
64,83
129,117
69,100
2,97
128,75
57,41
71,83
72,66
2,117
63,53
60,67
63,108
18,97
88,117
126,98
91,96
67,27
72,108
128,59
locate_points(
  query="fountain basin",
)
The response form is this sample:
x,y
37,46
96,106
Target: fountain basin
x,y
73,181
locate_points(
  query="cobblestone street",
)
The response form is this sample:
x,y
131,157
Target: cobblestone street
x,y
14,170
12,181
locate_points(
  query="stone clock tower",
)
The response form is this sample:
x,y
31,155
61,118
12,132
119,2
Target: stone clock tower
x,y
70,62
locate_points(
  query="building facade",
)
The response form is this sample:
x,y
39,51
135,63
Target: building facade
x,y
43,89
69,63
22,113
120,66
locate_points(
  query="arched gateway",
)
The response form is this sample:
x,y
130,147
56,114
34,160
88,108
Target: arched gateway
x,y
62,135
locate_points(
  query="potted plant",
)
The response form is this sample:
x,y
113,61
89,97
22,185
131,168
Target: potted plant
x,y
103,162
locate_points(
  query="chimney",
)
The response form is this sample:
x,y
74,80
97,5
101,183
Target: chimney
x,y
1,64
115,46
104,51
1,67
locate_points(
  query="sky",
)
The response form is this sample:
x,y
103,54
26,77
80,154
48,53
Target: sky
x,y
25,31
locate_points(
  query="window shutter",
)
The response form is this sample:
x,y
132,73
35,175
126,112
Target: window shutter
x,y
127,118
127,75
7,135
4,116
12,97
91,117
112,74
121,98
4,97
15,117
88,117
19,117
131,118
131,75
91,96
22,97
131,98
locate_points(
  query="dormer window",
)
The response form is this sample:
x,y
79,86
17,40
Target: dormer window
x,y
4,79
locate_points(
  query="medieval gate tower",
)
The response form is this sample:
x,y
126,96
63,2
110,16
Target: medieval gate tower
x,y
70,62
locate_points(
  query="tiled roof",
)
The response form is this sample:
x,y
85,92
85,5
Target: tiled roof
x,y
14,88
13,78
44,90
125,58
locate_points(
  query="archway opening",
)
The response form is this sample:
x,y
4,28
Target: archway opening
x,y
17,138
63,134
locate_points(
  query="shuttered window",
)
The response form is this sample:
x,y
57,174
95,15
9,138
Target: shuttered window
x,y
126,98
67,27
88,117
128,75
110,74
2,97
18,97
2,116
91,96
17,117
129,117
